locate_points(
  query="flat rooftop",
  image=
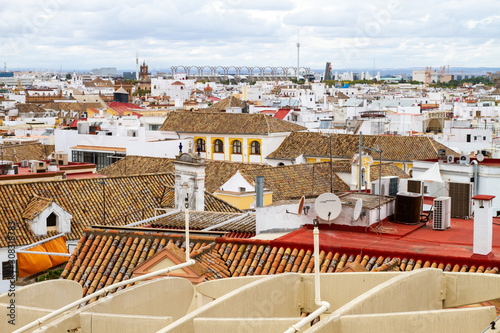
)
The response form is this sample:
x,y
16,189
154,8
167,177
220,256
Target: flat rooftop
x,y
453,245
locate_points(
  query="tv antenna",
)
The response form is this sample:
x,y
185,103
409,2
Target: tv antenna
x,y
298,56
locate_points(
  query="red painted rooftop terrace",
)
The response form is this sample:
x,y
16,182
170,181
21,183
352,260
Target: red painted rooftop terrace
x,y
453,245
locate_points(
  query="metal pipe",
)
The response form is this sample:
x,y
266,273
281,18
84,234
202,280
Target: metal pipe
x,y
331,165
323,306
186,212
380,183
51,315
259,191
29,246
46,253
295,328
476,176
359,161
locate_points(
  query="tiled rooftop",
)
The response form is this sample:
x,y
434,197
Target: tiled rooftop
x,y
294,181
242,223
388,169
29,107
102,258
26,151
127,199
217,172
228,102
394,148
105,257
226,123
69,106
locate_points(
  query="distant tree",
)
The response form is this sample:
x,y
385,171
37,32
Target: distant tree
x,y
68,76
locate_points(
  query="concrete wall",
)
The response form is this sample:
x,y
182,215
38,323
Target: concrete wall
x,y
99,323
457,320
51,294
273,218
160,300
273,302
29,303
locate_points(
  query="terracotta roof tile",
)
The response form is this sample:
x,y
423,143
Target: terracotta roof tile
x,y
26,151
127,199
216,173
394,148
35,207
226,123
202,220
294,181
388,169
228,102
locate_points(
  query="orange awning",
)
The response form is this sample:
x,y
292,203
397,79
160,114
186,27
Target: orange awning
x,y
30,264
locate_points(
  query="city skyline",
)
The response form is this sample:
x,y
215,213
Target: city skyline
x,y
382,34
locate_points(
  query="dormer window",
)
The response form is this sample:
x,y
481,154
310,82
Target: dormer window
x,y
44,215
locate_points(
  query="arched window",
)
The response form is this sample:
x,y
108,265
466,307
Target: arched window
x,y
236,147
201,144
255,148
281,164
218,146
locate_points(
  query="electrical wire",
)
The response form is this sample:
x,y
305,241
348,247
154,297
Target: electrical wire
x,y
492,325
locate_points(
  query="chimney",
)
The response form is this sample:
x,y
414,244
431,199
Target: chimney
x,y
483,224
189,181
259,191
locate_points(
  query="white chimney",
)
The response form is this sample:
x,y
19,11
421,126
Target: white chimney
x,y
483,224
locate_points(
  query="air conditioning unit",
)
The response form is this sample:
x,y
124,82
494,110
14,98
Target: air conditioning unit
x,y
38,166
461,199
393,185
407,208
415,186
450,159
464,159
384,186
442,213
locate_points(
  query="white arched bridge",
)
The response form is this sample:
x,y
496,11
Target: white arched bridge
x,y
241,71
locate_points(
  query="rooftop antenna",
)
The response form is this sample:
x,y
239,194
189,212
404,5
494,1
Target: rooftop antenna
x,y
137,65
298,55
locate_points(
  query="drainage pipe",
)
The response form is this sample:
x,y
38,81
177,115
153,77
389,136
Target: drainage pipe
x,y
323,306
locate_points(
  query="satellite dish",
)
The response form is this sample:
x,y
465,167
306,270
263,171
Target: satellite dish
x,y
480,157
450,159
327,206
301,205
357,209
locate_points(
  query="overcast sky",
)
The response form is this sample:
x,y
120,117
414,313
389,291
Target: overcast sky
x,y
353,34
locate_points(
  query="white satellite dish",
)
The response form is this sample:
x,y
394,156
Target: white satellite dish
x,y
357,209
450,159
480,157
327,206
